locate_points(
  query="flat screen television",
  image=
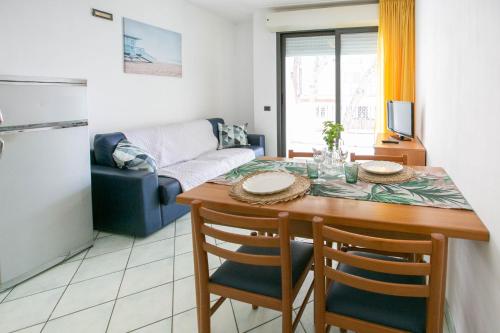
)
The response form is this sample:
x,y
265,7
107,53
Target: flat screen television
x,y
400,118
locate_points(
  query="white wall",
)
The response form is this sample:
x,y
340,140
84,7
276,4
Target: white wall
x,y
60,38
264,82
243,72
458,84
264,55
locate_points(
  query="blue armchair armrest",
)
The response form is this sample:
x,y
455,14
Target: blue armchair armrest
x,y
257,140
125,201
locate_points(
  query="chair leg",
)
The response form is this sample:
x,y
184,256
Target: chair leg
x,y
343,330
319,323
287,320
204,312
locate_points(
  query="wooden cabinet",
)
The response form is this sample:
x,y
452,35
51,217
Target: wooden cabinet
x,y
414,149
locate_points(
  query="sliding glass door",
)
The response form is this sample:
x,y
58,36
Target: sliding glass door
x,y
327,75
309,70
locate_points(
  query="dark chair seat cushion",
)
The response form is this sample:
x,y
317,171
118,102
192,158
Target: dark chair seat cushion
x,y
169,189
258,150
263,280
405,313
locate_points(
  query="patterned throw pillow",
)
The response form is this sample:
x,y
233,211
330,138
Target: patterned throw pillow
x,y
128,156
232,136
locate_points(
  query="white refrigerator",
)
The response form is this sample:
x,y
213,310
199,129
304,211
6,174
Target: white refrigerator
x,y
45,198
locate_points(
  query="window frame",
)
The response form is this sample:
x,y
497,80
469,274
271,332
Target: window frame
x,y
280,66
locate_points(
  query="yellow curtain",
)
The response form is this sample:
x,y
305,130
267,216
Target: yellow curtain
x,y
396,55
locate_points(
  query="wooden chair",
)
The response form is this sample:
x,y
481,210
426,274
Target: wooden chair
x,y
264,271
293,154
403,159
361,296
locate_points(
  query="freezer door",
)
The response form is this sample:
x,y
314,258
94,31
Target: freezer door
x,y
25,103
45,200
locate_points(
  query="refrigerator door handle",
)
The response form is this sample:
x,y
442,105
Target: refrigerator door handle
x,y
2,145
1,117
42,126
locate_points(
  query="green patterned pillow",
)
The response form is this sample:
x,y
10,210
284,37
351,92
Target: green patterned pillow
x,y
131,157
232,136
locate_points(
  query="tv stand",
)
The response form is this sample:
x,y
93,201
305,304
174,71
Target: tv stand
x,y
413,148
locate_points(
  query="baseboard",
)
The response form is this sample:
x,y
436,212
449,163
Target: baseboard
x,y
449,319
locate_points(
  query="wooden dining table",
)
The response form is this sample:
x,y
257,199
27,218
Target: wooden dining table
x,y
373,217
366,217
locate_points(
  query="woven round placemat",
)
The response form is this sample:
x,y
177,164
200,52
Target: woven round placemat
x,y
404,175
298,189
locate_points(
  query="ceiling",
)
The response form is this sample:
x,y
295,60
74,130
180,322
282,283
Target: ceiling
x,y
241,10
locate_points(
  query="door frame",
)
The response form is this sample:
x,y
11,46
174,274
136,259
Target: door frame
x,y
280,66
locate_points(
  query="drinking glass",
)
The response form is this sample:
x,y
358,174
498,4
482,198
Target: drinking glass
x,y
342,151
318,156
312,169
351,172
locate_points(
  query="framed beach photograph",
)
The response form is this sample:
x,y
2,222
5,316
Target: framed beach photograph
x,y
151,50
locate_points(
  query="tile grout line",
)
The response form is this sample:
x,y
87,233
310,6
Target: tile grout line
x,y
125,248
6,296
102,275
80,310
262,324
154,322
120,286
62,294
69,283
234,316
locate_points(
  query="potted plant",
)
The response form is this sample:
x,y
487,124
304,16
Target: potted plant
x,y
331,134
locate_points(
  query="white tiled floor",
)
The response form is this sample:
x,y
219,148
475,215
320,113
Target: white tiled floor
x,y
126,284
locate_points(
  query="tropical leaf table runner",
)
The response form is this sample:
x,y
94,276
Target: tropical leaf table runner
x,y
432,187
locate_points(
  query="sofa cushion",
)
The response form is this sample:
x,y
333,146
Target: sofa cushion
x,y
169,189
104,146
232,136
175,143
207,166
129,156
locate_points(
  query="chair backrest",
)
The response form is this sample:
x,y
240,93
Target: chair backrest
x,y
403,159
432,290
293,154
203,220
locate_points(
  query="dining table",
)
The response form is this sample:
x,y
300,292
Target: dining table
x,y
374,217
379,219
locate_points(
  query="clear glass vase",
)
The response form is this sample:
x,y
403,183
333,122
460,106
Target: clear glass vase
x,y
331,158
